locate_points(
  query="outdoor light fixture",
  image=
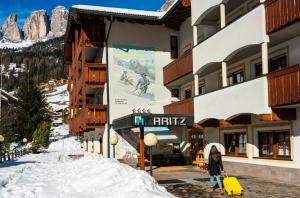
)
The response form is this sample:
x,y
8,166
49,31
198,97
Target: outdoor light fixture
x,y
114,141
150,141
24,142
1,141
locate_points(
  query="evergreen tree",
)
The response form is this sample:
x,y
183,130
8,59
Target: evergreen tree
x,y
31,109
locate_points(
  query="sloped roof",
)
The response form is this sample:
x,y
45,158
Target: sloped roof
x,y
130,13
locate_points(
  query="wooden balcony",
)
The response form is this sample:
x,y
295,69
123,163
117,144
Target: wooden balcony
x,y
180,107
93,116
94,75
178,68
280,13
284,86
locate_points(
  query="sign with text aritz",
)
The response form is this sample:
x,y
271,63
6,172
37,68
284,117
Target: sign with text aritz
x,y
148,120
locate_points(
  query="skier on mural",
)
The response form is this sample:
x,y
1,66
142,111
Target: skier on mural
x,y
142,84
125,79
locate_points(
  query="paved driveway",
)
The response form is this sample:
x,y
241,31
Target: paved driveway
x,y
189,181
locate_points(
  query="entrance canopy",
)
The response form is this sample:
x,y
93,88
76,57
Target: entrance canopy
x,y
153,120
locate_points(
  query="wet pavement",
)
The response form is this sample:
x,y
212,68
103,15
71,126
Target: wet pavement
x,y
191,182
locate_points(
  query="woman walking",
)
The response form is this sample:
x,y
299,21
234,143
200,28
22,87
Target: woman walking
x,y
215,166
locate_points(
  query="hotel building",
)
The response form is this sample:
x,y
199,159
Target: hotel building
x,y
232,64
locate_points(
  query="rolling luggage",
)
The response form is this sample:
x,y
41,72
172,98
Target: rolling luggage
x,y
232,186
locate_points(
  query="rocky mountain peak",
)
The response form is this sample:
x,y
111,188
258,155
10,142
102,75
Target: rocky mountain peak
x,y
58,21
36,26
10,30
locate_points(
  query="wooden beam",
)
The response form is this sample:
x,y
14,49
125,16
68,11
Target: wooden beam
x,y
142,149
280,115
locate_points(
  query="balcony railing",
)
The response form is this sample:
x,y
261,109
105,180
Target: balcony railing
x,y
93,116
179,67
94,75
280,13
180,107
230,39
249,97
284,86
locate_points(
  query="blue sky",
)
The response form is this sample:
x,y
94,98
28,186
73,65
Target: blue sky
x,y
24,7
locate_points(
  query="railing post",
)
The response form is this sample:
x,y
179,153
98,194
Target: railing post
x,y
224,74
222,15
265,60
196,82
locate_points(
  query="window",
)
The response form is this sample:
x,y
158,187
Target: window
x,y
236,144
258,70
274,144
276,63
235,78
175,93
174,47
187,93
201,88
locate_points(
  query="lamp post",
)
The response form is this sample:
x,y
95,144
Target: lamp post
x,y
114,141
150,141
24,142
1,142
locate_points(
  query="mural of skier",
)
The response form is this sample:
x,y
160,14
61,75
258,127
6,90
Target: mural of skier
x,y
135,69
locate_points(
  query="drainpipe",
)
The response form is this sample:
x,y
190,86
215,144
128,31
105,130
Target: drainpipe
x,y
107,88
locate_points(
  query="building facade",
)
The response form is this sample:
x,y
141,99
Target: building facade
x,y
246,68
233,64
115,59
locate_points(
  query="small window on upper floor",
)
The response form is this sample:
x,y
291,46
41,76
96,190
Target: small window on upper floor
x,y
278,63
174,47
175,93
275,63
201,88
235,78
187,93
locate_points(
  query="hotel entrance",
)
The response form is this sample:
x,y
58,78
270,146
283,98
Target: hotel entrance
x,y
196,146
172,132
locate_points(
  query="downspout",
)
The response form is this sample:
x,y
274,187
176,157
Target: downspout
x,y
107,89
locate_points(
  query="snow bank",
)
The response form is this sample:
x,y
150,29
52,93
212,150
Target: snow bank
x,y
53,174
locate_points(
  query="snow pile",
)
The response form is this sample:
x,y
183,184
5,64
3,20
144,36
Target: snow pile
x,y
54,174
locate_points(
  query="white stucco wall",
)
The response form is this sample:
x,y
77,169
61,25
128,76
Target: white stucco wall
x,y
200,8
290,47
185,36
248,97
248,30
144,36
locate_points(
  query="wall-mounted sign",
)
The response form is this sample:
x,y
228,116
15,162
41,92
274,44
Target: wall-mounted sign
x,y
153,120
160,120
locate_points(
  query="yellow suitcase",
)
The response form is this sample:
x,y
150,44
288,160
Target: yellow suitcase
x,y
232,186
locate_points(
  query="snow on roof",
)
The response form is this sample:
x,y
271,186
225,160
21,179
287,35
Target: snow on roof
x,y
155,14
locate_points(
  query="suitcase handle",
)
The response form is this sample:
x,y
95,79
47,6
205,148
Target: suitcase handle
x,y
225,173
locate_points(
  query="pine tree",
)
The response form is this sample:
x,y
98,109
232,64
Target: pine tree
x,y
32,109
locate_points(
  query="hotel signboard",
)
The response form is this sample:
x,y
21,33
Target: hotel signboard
x,y
153,120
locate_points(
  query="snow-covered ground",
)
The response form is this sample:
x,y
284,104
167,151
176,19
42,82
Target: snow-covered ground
x,y
11,45
13,67
53,174
59,99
